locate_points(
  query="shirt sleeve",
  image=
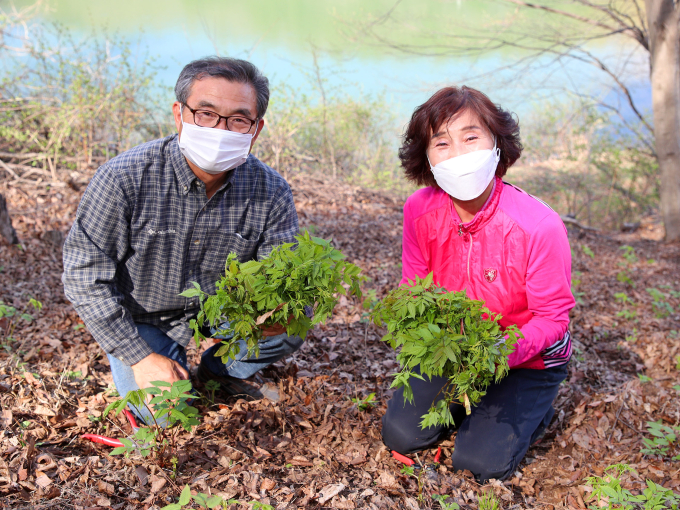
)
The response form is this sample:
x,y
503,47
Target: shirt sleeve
x,y
282,222
413,262
548,288
97,243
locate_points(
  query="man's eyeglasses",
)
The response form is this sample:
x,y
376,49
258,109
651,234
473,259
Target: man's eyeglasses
x,y
210,119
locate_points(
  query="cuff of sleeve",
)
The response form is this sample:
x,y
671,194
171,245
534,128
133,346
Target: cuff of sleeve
x,y
133,352
514,358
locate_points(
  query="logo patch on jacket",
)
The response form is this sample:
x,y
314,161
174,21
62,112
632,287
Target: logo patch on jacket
x,y
490,274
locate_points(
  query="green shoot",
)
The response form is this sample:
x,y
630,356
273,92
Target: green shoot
x,y
364,404
445,334
276,290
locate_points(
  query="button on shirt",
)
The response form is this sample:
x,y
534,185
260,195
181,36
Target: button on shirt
x,y
145,230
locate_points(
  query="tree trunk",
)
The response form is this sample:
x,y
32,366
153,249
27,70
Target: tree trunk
x,y
663,18
6,229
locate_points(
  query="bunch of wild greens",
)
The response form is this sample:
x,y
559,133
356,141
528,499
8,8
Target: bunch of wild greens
x,y
169,409
276,290
444,334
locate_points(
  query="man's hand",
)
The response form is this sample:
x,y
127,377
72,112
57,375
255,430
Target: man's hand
x,y
157,368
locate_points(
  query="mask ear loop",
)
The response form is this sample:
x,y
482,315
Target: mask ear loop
x,y
181,113
496,150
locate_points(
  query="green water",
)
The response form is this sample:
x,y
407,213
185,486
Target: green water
x,y
283,36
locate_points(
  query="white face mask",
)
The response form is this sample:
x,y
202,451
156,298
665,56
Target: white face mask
x,y
214,150
466,177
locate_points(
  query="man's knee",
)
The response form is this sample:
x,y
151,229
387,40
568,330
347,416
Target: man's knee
x,y
293,343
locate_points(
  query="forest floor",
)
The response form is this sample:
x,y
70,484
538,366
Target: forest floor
x,y
317,448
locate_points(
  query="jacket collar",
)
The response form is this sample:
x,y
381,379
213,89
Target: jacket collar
x,y
484,215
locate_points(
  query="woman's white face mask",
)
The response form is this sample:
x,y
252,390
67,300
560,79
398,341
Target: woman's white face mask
x,y
214,150
466,177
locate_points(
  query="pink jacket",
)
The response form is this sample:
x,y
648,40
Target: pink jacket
x,y
514,255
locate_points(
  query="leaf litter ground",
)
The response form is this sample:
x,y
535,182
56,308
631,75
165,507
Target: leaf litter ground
x,y
315,448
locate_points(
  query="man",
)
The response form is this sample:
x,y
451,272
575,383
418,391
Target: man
x,y
167,213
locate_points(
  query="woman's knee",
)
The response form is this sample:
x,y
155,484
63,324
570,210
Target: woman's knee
x,y
484,467
401,430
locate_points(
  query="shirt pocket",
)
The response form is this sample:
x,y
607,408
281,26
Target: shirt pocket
x,y
244,248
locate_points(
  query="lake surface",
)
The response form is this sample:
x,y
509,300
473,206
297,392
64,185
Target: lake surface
x,y
281,37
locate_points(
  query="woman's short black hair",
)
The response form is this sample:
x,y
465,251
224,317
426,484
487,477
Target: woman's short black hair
x,y
442,107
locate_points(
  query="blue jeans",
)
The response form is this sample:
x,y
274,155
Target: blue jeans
x,y
272,349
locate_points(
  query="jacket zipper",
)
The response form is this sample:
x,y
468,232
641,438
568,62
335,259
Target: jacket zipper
x,y
468,259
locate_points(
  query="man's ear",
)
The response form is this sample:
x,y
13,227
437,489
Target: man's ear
x,y
260,127
177,115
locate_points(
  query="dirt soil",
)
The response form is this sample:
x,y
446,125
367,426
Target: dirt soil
x,y
316,448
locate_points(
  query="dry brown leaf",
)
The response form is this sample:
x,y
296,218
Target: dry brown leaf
x,y
329,491
105,488
5,418
103,501
43,481
267,484
142,475
157,483
299,460
44,411
342,503
581,438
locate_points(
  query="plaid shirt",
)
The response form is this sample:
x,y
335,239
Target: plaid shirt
x,y
145,230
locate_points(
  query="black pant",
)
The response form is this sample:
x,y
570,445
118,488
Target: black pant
x,y
493,440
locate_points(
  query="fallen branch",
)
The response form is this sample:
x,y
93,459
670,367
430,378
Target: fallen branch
x,y
574,221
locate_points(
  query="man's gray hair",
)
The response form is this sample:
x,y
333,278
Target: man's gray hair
x,y
232,69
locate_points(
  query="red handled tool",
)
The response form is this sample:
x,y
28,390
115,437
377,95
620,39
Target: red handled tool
x,y
412,463
109,441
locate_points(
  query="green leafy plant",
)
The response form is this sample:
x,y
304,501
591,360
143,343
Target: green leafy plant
x,y
644,378
626,314
275,290
488,501
660,306
441,499
623,298
366,403
210,501
609,494
211,387
664,441
623,277
170,411
588,251
575,282
446,334
629,254
11,313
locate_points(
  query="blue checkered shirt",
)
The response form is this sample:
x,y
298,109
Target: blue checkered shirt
x,y
145,230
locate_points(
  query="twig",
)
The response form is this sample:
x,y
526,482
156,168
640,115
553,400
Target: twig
x,y
618,413
573,221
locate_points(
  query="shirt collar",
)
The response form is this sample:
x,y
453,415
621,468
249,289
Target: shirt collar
x,y
185,176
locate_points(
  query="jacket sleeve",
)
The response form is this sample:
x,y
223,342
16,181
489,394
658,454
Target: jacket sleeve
x,y
282,223
413,262
548,289
97,243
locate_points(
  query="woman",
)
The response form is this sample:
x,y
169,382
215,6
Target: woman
x,y
504,247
